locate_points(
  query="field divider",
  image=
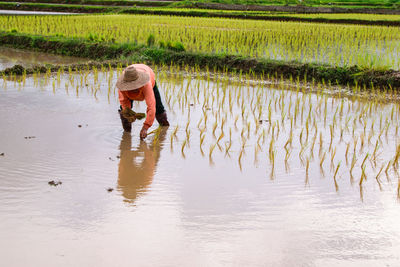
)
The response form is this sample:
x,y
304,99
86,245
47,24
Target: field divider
x,y
94,9
115,53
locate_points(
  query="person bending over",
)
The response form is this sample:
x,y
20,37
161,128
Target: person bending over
x,y
137,82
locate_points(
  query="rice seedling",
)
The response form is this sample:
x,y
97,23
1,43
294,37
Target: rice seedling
x,y
334,177
321,162
377,177
183,147
212,147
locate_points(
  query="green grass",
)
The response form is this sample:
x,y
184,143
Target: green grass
x,y
338,45
345,3
98,2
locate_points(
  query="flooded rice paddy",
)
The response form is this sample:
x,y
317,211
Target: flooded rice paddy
x,y
250,173
11,56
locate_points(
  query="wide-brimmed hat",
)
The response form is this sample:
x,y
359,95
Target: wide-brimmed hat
x,y
132,79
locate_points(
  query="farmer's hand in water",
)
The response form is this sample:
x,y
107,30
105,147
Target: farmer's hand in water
x,y
143,133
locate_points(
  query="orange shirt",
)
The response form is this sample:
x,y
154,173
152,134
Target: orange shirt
x,y
143,93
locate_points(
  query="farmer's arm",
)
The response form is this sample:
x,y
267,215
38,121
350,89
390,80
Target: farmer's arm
x,y
151,105
124,101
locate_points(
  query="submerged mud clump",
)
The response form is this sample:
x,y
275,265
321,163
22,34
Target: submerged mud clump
x,y
53,183
16,69
2,154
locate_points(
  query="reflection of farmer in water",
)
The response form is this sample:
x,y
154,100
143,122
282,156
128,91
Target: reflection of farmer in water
x,y
136,167
137,82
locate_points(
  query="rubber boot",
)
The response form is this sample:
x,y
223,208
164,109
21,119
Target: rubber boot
x,y
162,119
125,123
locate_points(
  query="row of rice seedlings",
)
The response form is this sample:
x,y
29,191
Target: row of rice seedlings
x,y
366,46
269,114
339,137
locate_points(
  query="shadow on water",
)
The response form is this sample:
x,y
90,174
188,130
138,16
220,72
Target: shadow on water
x,y
137,166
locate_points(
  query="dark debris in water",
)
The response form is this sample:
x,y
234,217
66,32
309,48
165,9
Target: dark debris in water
x,y
2,154
53,183
110,158
110,189
29,137
16,69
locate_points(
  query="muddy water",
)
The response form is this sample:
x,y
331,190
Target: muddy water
x,y
173,206
11,56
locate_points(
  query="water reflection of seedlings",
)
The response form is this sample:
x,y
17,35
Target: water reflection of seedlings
x,y
377,177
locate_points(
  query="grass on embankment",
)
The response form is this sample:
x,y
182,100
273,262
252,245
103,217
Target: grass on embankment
x,y
100,2
153,54
361,19
315,3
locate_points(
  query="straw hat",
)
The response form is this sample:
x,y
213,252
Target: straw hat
x,y
132,79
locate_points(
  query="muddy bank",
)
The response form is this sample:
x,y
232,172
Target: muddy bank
x,y
11,56
297,9
120,52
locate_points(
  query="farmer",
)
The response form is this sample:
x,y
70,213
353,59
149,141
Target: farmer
x,y
137,82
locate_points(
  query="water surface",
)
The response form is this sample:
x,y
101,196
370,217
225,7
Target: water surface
x,y
11,56
170,208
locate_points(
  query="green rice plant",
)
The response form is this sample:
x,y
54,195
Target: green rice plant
x,y
214,127
212,147
389,164
377,176
272,175
240,158
321,162
220,137
321,142
347,152
183,147
333,154
334,177
363,175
